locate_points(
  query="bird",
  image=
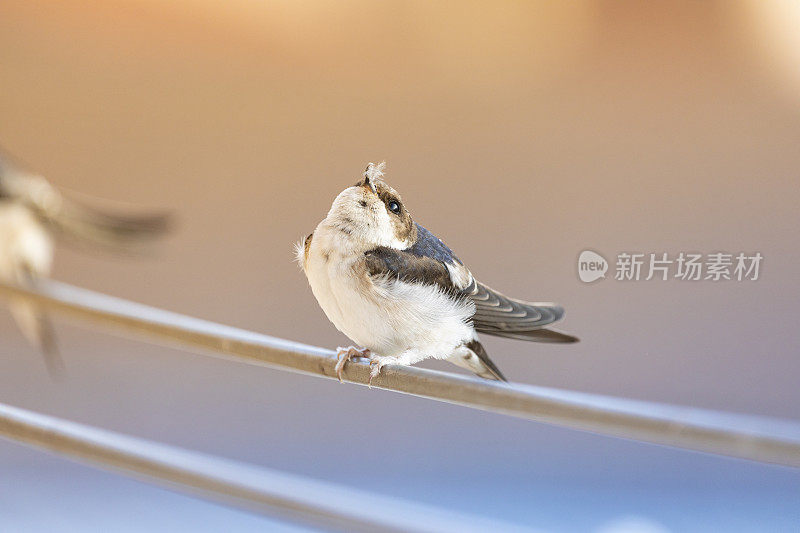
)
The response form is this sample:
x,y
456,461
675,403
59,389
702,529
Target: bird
x,y
401,293
32,214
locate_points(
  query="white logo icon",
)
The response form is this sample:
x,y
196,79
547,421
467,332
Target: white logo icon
x,y
591,266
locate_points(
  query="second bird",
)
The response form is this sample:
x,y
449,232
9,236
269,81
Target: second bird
x,y
32,213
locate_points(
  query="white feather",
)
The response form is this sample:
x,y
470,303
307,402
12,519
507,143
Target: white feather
x,y
374,171
300,252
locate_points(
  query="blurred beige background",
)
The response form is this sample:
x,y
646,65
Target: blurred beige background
x,y
614,126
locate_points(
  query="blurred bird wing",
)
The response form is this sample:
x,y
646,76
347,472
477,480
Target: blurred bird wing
x,y
89,224
76,219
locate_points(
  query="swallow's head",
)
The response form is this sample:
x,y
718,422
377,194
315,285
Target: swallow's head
x,y
372,213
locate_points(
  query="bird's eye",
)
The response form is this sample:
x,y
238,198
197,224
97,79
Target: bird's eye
x,y
394,207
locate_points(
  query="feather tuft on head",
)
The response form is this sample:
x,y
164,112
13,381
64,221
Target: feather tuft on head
x,y
374,171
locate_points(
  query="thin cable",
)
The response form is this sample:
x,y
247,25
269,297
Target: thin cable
x,y
256,489
748,437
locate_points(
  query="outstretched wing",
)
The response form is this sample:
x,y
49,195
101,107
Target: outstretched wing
x,y
430,261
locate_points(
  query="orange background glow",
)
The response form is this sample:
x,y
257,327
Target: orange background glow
x,y
521,133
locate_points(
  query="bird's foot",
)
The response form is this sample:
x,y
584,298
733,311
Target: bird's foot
x,y
375,365
345,354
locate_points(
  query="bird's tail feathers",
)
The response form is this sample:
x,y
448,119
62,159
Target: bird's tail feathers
x,y
473,357
38,329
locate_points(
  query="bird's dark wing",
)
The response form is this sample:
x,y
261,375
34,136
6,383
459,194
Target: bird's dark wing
x,y
497,314
429,245
430,261
404,266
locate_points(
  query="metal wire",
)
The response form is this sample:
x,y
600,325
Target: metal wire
x,y
755,438
257,489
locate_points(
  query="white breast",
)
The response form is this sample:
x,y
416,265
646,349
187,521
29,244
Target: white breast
x,y
386,316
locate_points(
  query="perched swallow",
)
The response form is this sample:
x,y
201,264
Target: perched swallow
x,y
32,212
396,289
